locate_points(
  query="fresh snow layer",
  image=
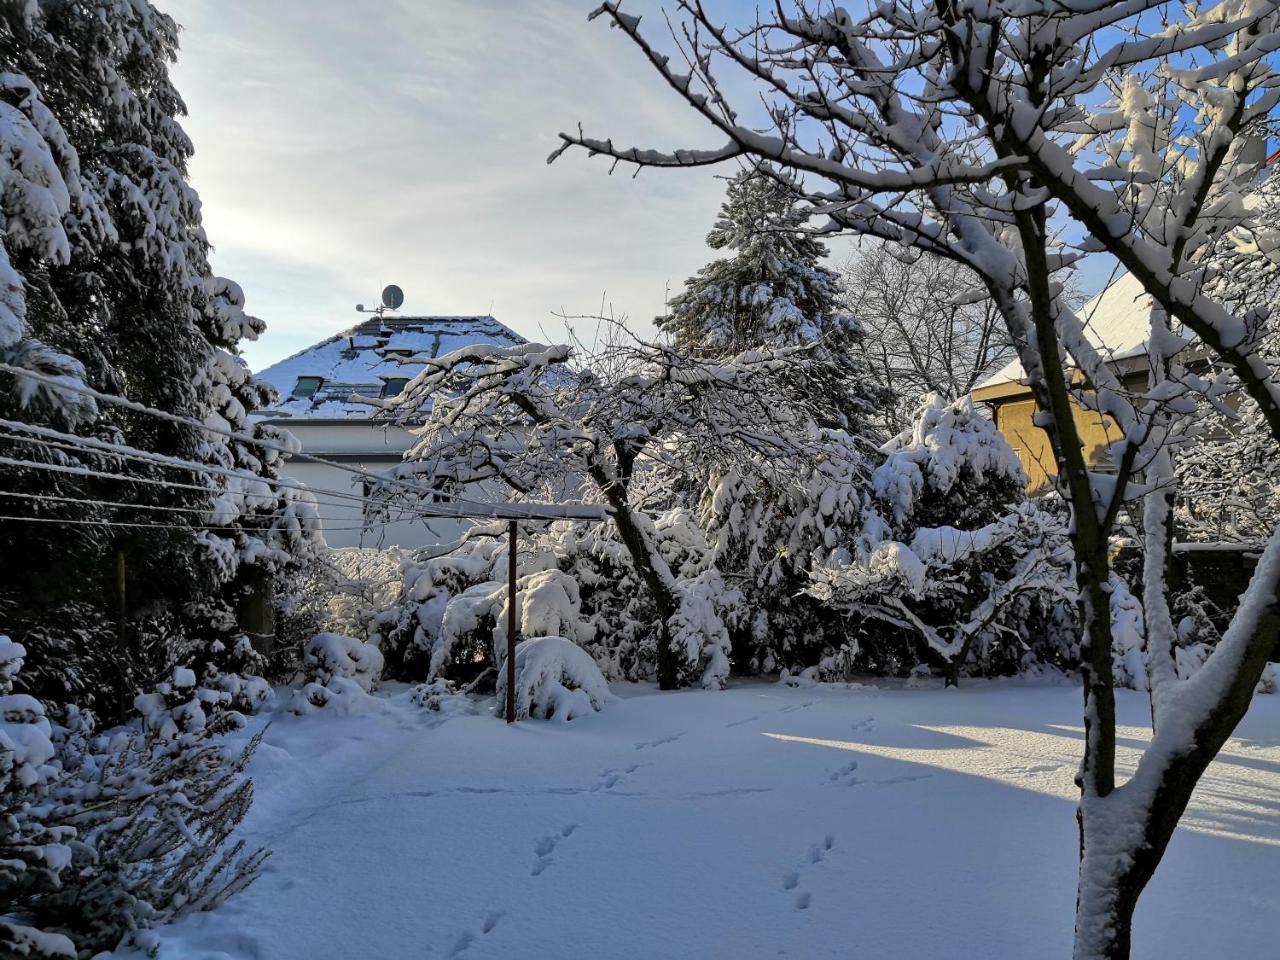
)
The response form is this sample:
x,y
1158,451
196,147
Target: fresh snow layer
x,y
763,821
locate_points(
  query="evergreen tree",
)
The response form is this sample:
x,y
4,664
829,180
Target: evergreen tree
x,y
769,531
106,282
773,289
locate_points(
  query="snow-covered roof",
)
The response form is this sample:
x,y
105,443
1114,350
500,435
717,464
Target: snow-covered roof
x,y
1117,323
362,359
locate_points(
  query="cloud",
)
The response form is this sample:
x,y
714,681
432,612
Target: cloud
x,y
343,146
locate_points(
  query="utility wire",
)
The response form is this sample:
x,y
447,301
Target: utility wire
x,y
120,523
77,442
128,404
203,511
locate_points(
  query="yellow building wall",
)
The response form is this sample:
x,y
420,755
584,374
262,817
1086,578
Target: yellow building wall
x,y
1014,420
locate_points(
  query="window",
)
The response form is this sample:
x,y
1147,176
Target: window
x,y
393,386
306,388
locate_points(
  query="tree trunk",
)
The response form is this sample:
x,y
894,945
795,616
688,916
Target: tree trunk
x,y
645,558
1123,837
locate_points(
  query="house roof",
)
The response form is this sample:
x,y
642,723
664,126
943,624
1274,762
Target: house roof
x,y
361,359
1117,322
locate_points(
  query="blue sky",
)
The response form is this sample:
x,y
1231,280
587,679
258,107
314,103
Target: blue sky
x,y
342,146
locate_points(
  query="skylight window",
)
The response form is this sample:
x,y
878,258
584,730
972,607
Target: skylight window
x,y
306,388
393,386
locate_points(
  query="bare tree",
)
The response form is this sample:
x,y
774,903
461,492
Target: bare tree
x,y
928,326
971,131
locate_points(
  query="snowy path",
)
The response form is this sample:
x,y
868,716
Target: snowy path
x,y
760,822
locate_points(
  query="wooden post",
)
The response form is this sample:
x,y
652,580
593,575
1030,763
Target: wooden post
x,y
120,604
512,529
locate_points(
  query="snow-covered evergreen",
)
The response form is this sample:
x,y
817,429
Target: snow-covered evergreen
x,y
953,553
106,283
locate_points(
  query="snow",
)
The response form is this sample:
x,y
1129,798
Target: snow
x,y
360,359
1117,323
555,680
825,821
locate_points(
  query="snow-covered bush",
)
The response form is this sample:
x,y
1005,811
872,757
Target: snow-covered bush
x,y
698,630
339,697
1196,635
555,679
332,655
105,836
442,698
768,531
575,579
952,554
176,708
365,583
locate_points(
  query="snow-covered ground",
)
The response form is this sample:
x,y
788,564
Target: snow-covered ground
x,y
760,822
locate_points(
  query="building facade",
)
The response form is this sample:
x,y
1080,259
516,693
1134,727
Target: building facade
x,y
1117,324
316,386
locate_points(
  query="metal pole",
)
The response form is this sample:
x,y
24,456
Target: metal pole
x,y
511,621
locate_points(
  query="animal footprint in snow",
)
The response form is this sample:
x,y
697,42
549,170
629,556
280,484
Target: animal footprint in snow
x,y
798,706
791,879
865,725
818,852
611,778
649,744
464,942
844,774
542,850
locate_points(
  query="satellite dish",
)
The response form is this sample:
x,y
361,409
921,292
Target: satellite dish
x,y
392,297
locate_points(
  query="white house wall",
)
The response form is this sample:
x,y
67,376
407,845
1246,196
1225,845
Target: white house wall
x,y
345,524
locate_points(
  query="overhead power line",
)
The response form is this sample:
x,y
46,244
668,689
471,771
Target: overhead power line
x,y
128,404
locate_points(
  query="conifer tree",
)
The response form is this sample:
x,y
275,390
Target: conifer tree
x,y
106,283
768,533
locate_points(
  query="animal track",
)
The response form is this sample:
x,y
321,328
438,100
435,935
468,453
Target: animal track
x,y
611,777
464,942
791,879
542,850
649,744
798,706
844,775
865,725
903,779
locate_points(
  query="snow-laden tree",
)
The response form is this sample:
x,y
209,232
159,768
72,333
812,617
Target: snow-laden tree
x,y
768,528
771,289
105,836
105,282
952,553
528,423
922,331
984,133
1229,484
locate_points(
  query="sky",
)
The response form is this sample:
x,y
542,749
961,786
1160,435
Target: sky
x,y
344,146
